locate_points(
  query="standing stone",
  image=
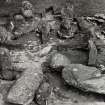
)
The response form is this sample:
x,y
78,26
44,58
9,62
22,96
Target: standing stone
x,y
92,53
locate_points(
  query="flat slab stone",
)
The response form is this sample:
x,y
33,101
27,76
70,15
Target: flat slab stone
x,y
24,89
85,78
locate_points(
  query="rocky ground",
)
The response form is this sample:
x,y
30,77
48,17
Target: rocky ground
x,y
51,54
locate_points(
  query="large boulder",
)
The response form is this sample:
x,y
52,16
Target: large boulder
x,y
24,89
84,77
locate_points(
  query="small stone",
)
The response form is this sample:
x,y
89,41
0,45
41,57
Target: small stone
x,y
5,86
100,15
59,60
43,93
75,69
7,72
27,9
53,100
19,17
92,53
98,75
46,50
3,21
32,103
5,60
26,27
1,100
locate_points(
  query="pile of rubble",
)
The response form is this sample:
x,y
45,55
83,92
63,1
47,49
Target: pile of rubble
x,y
63,43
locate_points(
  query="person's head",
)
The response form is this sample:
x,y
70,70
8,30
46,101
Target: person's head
x,y
27,9
27,5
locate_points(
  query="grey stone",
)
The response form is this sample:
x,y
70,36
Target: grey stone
x,y
32,103
92,53
3,21
4,88
100,15
43,93
24,89
66,57
101,52
5,36
1,100
5,60
26,27
58,60
53,100
7,72
46,50
84,77
19,17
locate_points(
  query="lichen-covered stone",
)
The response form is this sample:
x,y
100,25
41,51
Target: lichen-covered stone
x,y
84,77
24,89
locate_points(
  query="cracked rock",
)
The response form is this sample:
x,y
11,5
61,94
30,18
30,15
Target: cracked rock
x,y
24,89
84,77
